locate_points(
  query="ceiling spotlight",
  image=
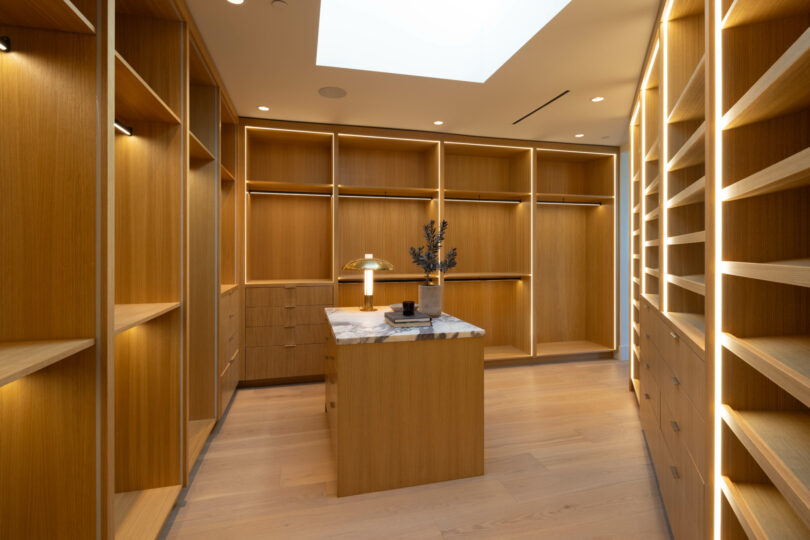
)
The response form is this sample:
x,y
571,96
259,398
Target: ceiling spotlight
x,y
263,108
126,130
597,99
332,92
438,123
579,135
5,44
237,2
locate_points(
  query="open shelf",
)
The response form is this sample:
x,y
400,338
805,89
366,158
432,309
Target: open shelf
x,y
130,315
777,90
791,172
21,358
60,15
512,196
691,324
783,359
691,105
637,176
752,11
382,276
471,170
694,193
140,514
228,287
654,152
652,271
387,162
653,299
653,215
637,208
652,243
696,283
791,272
286,187
778,440
570,348
291,157
504,352
383,191
692,152
653,186
225,173
762,511
483,276
567,197
134,98
574,176
197,150
198,431
690,238
303,281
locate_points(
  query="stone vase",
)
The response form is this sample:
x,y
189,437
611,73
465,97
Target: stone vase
x,y
430,299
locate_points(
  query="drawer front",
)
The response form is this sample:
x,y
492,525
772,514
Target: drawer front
x,y
650,402
314,296
281,362
288,295
668,472
268,336
681,422
284,316
227,384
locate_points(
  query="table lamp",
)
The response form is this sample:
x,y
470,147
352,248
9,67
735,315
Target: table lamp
x,y
368,264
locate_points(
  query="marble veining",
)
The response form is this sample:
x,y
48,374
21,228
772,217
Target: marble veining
x,y
351,326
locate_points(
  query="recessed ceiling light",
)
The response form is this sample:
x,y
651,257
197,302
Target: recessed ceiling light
x,y
332,92
438,123
263,108
237,2
579,135
462,40
597,99
278,4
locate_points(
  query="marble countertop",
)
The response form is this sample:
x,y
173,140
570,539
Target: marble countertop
x,y
351,326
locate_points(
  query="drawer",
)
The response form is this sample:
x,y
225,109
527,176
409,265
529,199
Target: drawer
x,y
267,336
681,423
668,472
281,362
687,367
227,385
284,316
650,402
288,295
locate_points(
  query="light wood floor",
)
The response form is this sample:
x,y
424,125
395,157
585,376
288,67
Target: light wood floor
x,y
565,458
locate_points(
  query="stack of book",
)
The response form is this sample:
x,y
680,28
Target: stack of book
x,y
397,319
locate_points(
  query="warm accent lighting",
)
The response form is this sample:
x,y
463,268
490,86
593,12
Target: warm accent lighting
x,y
263,108
368,265
5,44
122,128
597,99
462,40
579,135
438,123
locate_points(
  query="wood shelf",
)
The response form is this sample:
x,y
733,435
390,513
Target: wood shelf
x,y
752,11
637,208
691,104
792,172
653,272
485,275
685,8
691,324
637,281
636,304
134,98
505,352
651,243
21,358
140,514
653,299
783,359
792,272
226,174
652,216
197,150
696,283
637,176
198,431
60,15
762,511
691,238
653,186
777,440
636,256
486,195
570,348
227,287
692,152
636,232
637,328
288,187
654,152
779,91
377,191
572,197
694,193
130,315
272,282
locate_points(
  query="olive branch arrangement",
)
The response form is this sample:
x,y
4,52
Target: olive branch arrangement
x,y
427,257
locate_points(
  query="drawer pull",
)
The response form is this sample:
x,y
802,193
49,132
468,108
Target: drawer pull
x,y
673,335
675,427
289,346
647,336
675,381
646,396
289,326
289,286
675,473
331,404
330,357
289,307
647,365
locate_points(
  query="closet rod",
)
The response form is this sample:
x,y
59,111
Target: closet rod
x,y
569,203
289,193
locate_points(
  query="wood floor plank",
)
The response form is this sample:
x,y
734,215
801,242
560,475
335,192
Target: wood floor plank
x,y
564,457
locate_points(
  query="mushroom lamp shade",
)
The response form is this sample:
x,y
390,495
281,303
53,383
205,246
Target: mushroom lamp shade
x,y
368,265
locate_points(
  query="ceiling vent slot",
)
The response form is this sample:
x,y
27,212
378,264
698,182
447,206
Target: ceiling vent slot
x,y
544,105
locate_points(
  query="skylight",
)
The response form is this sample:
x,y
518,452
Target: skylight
x,y
463,40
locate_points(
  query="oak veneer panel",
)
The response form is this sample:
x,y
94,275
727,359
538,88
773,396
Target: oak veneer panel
x,y
386,228
140,514
284,315
227,154
742,12
762,511
685,61
571,348
279,362
197,151
763,308
54,405
147,405
63,15
789,173
388,162
290,237
692,152
135,99
227,233
156,9
47,211
385,293
130,315
148,195
21,358
154,49
487,169
691,104
695,193
289,157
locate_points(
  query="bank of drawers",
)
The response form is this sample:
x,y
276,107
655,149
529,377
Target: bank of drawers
x,y
285,331
673,406
229,321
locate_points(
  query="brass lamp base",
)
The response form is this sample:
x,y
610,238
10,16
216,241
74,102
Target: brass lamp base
x,y
368,303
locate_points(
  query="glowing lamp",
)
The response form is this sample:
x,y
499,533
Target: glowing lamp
x,y
368,265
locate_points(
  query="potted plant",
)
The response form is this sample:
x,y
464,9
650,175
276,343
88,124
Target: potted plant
x,y
427,258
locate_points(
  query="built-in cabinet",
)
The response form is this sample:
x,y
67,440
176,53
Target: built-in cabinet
x,y
720,273
534,225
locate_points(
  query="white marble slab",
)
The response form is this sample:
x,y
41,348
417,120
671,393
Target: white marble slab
x,y
351,326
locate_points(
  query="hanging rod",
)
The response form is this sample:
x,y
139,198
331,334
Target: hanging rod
x,y
289,193
410,197
570,203
497,201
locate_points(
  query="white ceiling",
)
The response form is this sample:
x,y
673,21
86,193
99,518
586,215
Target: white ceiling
x,y
266,56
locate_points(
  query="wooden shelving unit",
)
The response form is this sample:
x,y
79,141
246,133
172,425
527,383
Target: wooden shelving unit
x,y
762,511
60,15
636,247
18,359
130,315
